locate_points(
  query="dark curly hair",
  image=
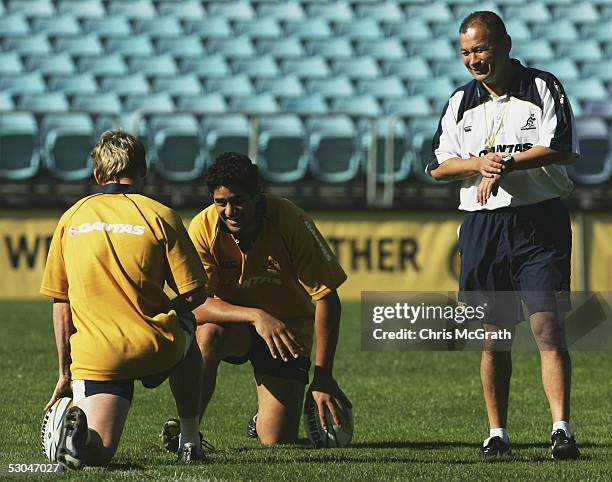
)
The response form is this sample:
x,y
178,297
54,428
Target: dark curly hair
x,y
233,169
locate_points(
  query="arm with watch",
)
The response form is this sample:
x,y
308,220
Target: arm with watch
x,y
537,156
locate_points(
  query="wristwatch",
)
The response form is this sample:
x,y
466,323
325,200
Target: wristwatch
x,y
508,161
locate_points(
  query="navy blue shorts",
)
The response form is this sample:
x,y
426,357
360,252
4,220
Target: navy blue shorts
x,y
524,249
261,359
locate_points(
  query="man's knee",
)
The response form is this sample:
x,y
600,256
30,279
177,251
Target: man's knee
x,y
548,331
210,338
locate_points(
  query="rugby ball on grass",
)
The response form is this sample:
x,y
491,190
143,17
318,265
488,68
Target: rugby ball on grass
x,y
335,436
51,427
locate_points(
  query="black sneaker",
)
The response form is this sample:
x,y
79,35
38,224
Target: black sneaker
x,y
191,453
72,444
170,435
252,427
496,446
563,447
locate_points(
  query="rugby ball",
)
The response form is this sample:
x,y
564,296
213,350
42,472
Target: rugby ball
x,y
335,436
51,427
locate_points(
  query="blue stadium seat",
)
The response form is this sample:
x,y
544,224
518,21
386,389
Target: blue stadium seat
x,y
446,30
228,133
110,25
564,69
336,86
125,84
189,10
44,102
437,49
82,8
153,65
261,103
289,10
201,103
409,29
528,12
129,45
584,90
281,150
462,10
601,70
228,86
14,24
407,68
236,10
306,68
71,84
414,105
389,86
580,51
595,164
357,68
258,28
360,28
388,11
289,48
132,8
337,11
232,47
330,48
10,63
27,44
112,64
207,66
67,141
307,104
31,8
309,28
562,29
208,27
182,84
430,12
175,148
56,25
455,71
100,103
155,102
6,102
581,12
389,48
162,26
50,64
532,51
181,47
363,105
421,131
402,155
518,29
599,108
333,148
281,86
76,45
19,157
22,84
435,88
256,67
601,31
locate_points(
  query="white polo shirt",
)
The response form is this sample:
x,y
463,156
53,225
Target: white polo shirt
x,y
535,111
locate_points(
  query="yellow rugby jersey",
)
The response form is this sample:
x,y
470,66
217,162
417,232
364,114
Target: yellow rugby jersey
x,y
110,256
288,265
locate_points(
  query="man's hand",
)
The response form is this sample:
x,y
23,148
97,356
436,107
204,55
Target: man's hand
x,y
62,389
326,393
488,187
490,165
275,333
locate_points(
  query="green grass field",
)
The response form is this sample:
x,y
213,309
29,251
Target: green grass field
x,y
417,416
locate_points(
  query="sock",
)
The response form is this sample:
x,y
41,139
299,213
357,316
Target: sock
x,y
563,426
190,431
502,433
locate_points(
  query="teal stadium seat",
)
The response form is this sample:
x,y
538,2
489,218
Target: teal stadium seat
x,y
528,51
359,29
580,51
421,131
27,44
22,84
381,49
67,141
288,10
528,12
357,68
330,48
132,9
181,47
289,48
71,84
154,65
402,155
564,68
19,157
227,86
188,10
10,63
129,45
256,67
202,103
258,28
281,151
336,86
31,8
433,89
337,11
560,30
125,84
158,26
307,104
407,68
225,134
6,102
388,11
258,103
308,28
84,9
281,86
407,106
601,70
306,68
585,90
580,12
235,10
359,105
112,64
109,25
59,63
595,164
386,87
104,108
77,45
207,66
14,24
63,24
208,27
430,12
435,49
44,102
454,70
410,29
177,84
600,31
463,10
232,47
154,102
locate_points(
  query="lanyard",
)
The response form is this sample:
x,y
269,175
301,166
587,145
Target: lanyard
x,y
490,140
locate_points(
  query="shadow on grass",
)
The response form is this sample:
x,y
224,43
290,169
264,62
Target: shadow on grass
x,y
123,466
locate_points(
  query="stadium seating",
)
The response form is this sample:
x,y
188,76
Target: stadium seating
x,y
225,134
595,164
281,151
19,153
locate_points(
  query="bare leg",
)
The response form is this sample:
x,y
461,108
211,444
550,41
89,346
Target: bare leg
x,y
185,383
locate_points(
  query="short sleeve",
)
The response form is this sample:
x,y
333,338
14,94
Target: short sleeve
x,y
557,129
445,143
55,282
315,264
197,235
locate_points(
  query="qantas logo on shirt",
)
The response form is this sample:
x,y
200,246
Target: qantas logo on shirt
x,y
530,124
510,148
260,280
116,228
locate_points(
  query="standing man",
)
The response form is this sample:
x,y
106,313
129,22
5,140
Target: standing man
x,y
262,251
507,135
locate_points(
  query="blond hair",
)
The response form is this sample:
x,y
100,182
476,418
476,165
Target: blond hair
x,y
118,154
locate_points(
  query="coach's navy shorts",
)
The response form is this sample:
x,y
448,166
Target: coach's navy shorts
x,y
263,363
526,249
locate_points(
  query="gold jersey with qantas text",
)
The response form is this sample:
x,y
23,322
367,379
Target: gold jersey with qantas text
x,y
288,265
110,256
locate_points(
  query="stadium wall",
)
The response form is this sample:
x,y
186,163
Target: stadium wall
x,y
379,251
